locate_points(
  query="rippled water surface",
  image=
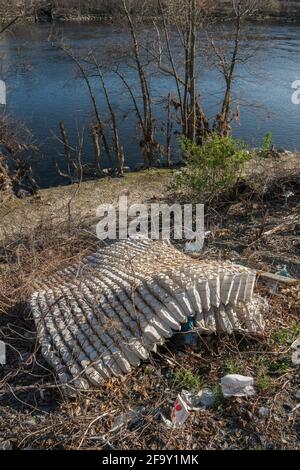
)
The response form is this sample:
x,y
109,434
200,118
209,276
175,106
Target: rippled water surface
x,y
43,89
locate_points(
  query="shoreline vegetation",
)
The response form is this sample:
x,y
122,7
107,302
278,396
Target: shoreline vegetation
x,y
252,200
152,184
201,135
56,229
104,11
110,19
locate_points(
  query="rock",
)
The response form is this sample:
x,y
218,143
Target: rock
x,y
297,395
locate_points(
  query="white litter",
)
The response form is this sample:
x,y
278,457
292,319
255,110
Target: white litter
x,y
102,317
188,401
296,408
161,417
2,93
263,412
203,399
207,397
129,418
234,385
296,352
2,353
180,412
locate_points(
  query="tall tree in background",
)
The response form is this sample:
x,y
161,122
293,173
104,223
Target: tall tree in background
x,y
228,54
182,20
146,122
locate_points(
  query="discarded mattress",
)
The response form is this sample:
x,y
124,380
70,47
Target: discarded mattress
x,y
102,317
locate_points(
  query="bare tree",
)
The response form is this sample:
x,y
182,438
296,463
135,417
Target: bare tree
x,y
17,147
84,74
228,57
181,20
97,130
119,152
149,144
74,171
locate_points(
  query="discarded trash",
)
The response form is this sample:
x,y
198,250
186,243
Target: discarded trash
x,y
102,317
296,408
263,412
296,344
187,336
5,445
297,395
2,93
180,412
234,385
288,194
2,353
161,417
284,273
187,401
273,281
203,399
296,352
130,420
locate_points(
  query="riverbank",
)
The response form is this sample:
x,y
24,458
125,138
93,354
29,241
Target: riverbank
x,y
270,186
256,227
57,17
53,203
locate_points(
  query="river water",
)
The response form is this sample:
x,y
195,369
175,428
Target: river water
x,y
43,89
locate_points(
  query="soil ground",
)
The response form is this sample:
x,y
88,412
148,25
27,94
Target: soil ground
x,y
57,227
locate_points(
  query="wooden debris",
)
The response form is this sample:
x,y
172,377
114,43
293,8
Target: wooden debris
x,y
274,279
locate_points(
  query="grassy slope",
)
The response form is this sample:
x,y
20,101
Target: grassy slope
x,y
18,214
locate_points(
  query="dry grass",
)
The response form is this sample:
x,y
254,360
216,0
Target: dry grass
x,y
35,412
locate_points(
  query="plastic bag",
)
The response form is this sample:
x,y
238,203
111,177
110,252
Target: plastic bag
x,y
234,385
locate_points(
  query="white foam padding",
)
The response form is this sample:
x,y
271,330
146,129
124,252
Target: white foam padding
x,y
102,317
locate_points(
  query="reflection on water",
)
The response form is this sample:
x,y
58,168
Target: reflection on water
x,y
42,89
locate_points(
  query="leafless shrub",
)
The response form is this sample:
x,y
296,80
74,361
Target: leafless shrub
x,y
17,150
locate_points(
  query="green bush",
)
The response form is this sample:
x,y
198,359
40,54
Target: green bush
x,y
185,378
266,145
215,166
